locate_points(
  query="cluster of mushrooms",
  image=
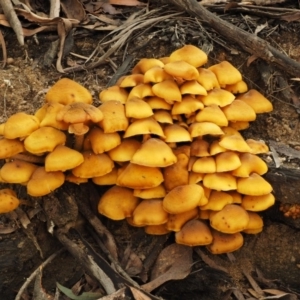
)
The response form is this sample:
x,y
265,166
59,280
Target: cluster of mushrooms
x,y
165,139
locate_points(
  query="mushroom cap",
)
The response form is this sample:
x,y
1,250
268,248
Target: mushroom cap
x,y
17,171
158,103
257,147
250,163
192,87
107,179
141,91
42,183
237,88
140,177
63,158
176,221
117,203
215,148
204,165
220,181
188,105
156,229
183,198
191,54
44,139
144,126
204,128
156,192
155,75
113,93
163,116
258,203
234,143
254,185
67,91
218,97
20,125
231,219
167,90
217,200
199,148
138,109
182,70
212,114
102,142
8,201
195,177
154,153
226,73
93,165
150,212
255,224
175,133
74,179
195,232
257,101
239,111
225,243
239,125
131,81
228,161
114,118
207,79
125,150
10,147
145,64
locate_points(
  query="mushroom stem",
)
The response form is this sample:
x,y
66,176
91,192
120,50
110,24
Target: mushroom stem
x,y
29,158
78,142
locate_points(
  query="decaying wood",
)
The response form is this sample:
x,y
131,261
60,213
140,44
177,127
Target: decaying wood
x,y
248,42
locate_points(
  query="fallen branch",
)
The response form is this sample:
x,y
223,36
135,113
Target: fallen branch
x,y
249,42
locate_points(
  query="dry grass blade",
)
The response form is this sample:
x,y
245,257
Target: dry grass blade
x,y
4,52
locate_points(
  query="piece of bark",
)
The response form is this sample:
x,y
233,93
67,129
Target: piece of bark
x,y
249,42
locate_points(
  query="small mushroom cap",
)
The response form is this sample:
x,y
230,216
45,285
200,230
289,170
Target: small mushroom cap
x,y
131,81
226,73
107,179
140,177
42,183
195,177
74,179
234,143
258,203
20,125
220,181
155,75
125,150
191,54
144,126
141,91
10,147
17,171
194,233
183,198
239,125
212,114
154,153
225,243
176,134
218,97
93,165
215,148
188,105
228,161
176,221
167,90
204,165
217,200
145,64
231,219
63,158
102,142
199,148
163,116
156,229
44,139
239,111
67,91
114,118
138,109
257,147
254,185
158,103
207,79
150,212
237,88
182,70
204,128
257,101
192,87
255,224
250,163
114,93
117,203
156,192
8,201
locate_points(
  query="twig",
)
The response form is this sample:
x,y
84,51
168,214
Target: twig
x,y
4,52
32,276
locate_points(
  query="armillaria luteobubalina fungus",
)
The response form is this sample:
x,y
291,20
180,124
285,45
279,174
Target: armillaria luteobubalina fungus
x,y
167,141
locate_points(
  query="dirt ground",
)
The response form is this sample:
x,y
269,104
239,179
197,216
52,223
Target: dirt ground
x,y
272,257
